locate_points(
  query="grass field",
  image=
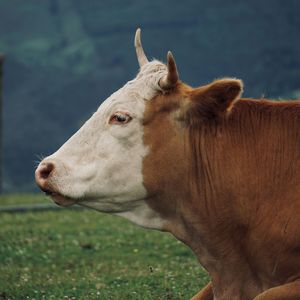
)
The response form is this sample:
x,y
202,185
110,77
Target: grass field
x,y
84,254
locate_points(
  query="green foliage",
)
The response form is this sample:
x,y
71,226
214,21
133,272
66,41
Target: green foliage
x,y
89,255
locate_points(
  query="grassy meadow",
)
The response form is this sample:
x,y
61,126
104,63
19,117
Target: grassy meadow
x,y
83,254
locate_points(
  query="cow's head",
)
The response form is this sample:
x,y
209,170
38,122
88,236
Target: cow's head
x,y
129,157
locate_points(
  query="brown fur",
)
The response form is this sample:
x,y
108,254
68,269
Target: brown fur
x,y
225,174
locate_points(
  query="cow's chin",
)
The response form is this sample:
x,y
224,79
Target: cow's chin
x,y
62,200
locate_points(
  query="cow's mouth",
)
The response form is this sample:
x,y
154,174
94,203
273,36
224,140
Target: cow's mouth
x,y
60,199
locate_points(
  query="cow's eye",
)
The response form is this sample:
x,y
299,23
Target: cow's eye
x,y
119,118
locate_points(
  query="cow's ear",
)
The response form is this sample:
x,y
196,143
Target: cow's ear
x,y
215,100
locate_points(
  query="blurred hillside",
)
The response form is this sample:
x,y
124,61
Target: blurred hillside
x,y
63,58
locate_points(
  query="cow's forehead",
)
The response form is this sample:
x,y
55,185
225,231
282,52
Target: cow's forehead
x,y
143,87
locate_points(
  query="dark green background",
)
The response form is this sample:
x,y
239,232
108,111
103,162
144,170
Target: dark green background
x,y
64,57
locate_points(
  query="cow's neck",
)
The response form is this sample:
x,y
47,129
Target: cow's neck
x,y
207,230
218,187
217,248
229,185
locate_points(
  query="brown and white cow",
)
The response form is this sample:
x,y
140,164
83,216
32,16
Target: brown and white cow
x,y
222,174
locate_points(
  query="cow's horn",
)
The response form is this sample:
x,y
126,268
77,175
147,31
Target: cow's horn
x,y
171,78
142,58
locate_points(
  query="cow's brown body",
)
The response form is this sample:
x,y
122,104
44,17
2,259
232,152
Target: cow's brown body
x,y
229,184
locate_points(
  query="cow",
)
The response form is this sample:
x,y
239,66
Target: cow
x,y
219,172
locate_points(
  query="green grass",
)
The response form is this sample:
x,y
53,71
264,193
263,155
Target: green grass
x,y
88,255
20,199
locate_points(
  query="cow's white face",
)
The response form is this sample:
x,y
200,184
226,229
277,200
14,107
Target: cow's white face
x,y
100,166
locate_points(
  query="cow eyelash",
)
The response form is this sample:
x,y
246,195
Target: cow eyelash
x,y
120,118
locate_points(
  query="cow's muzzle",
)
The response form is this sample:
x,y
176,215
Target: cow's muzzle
x,y
44,178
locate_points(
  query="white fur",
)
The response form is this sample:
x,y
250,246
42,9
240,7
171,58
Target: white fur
x,y
101,164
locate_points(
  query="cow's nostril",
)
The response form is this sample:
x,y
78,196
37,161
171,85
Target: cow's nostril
x,y
46,170
43,174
